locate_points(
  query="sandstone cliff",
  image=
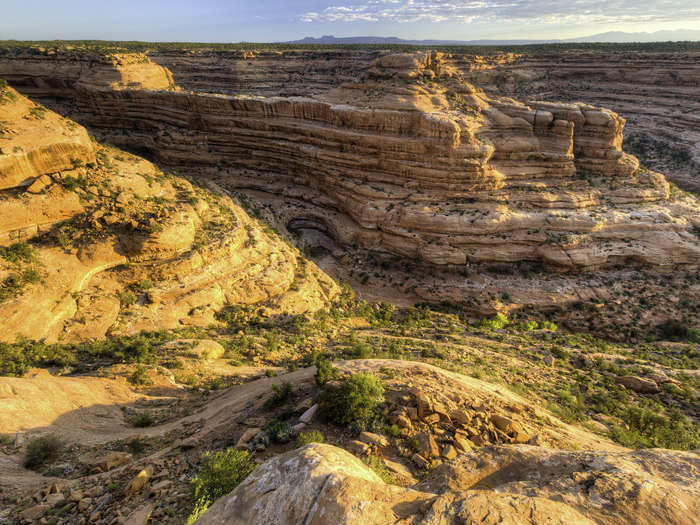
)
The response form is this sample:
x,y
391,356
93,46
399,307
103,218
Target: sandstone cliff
x,y
411,161
118,246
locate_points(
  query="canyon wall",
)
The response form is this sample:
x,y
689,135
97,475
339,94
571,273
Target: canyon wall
x,y
95,241
410,159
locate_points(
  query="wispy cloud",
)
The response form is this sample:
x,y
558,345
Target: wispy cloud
x,y
547,11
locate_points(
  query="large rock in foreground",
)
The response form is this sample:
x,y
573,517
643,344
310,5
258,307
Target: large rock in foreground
x,y
321,484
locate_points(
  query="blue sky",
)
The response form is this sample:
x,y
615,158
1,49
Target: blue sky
x,y
279,20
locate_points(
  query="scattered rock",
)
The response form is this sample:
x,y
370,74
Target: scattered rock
x,y
208,349
374,439
427,447
40,184
37,511
449,452
248,434
137,483
307,416
638,384
420,461
140,516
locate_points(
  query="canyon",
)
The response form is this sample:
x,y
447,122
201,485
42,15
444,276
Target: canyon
x,y
378,157
387,287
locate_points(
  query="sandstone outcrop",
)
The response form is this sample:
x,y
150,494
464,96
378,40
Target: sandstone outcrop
x,y
322,484
411,161
118,246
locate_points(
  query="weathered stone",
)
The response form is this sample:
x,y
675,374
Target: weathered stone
x,y
36,512
307,416
138,482
638,384
140,516
248,434
376,440
427,447
420,461
449,452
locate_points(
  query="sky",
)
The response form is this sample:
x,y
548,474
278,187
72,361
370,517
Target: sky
x,y
280,20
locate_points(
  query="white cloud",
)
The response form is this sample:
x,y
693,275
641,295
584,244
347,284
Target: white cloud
x,y
547,11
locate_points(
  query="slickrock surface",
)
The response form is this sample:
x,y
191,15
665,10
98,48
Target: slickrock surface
x,y
322,484
118,246
99,473
410,161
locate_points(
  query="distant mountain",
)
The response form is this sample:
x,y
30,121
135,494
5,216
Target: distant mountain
x,y
611,36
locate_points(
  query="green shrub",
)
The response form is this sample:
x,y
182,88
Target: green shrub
x,y
218,475
13,361
140,376
499,322
379,469
127,298
143,420
280,395
325,371
136,446
17,252
42,451
355,400
644,428
314,436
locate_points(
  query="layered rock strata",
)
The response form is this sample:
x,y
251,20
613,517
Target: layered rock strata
x,y
415,162
118,246
515,484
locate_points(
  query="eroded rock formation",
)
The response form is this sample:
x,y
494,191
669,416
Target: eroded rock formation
x,y
323,484
118,246
410,160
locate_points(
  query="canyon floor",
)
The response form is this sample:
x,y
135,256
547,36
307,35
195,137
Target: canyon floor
x,y
371,289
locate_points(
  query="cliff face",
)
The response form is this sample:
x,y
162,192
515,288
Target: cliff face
x,y
410,160
117,246
658,94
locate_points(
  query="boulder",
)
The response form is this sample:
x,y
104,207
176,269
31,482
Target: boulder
x,y
324,485
638,384
427,447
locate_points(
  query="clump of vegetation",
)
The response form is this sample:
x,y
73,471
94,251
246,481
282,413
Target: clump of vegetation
x,y
143,420
127,298
379,469
140,376
355,401
42,451
280,395
6,94
218,475
17,252
313,436
136,446
498,322
325,371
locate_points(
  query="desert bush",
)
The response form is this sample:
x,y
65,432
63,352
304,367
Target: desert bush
x,y
280,395
645,428
127,298
379,469
42,450
143,420
314,436
140,376
17,252
136,446
499,322
325,371
356,400
218,475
